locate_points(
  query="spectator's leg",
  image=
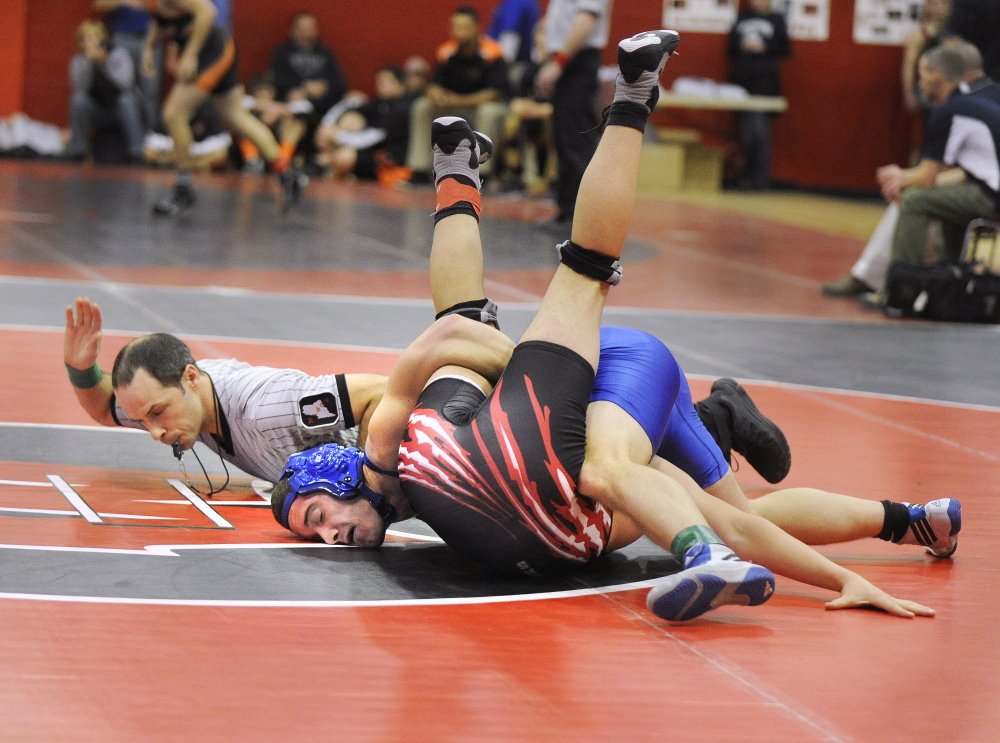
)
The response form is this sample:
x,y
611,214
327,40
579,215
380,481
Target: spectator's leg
x,y
489,120
149,86
873,265
291,130
82,115
953,235
755,141
129,114
418,153
955,205
241,121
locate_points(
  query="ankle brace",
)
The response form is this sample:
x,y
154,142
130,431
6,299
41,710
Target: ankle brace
x,y
480,310
456,196
592,263
692,535
628,113
897,521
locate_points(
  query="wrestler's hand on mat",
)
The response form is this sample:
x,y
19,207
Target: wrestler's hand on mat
x,y
82,339
859,592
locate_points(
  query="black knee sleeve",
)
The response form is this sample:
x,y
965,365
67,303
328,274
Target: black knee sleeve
x,y
590,263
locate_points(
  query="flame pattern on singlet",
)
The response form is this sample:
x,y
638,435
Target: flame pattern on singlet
x,y
488,472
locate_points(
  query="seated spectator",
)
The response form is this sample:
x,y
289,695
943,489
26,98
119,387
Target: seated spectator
x,y
953,186
103,80
281,118
470,81
368,140
416,75
525,156
305,71
127,21
209,150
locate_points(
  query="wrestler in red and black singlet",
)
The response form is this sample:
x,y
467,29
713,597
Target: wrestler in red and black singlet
x,y
496,476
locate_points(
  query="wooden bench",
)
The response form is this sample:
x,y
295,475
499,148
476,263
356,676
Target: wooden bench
x,y
679,161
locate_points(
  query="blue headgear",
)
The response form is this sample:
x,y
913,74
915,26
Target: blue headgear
x,y
335,470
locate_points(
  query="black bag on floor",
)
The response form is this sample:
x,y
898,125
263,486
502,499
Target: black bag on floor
x,y
966,292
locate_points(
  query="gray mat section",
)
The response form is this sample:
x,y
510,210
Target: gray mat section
x,y
955,363
113,448
394,572
106,222
938,361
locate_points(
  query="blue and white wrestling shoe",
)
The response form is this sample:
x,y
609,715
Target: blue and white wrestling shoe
x,y
935,526
713,576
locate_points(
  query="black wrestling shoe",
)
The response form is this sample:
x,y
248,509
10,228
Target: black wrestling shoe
x,y
640,62
448,133
292,181
180,200
751,433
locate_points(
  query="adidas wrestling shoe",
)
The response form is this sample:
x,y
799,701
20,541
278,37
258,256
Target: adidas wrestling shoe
x,y
713,576
754,435
181,199
935,526
457,149
640,61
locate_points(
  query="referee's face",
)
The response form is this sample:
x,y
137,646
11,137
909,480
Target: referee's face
x,y
352,522
170,414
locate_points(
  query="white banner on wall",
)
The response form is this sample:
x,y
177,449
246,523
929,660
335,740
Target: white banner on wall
x,y
885,21
808,20
709,16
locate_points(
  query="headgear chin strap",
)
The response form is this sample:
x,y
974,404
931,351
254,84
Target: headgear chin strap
x,y
335,470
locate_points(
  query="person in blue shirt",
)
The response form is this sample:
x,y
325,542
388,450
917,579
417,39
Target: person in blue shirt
x,y
512,26
127,21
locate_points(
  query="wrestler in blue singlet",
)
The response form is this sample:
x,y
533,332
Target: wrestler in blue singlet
x,y
640,375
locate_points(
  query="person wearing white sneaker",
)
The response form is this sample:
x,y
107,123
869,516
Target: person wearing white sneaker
x,y
502,475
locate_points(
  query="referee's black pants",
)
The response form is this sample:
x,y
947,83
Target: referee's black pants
x,y
574,123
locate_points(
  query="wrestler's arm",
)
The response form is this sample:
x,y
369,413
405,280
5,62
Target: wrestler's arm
x,y
450,341
366,392
204,18
758,540
152,39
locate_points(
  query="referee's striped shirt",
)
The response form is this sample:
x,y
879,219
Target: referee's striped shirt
x,y
268,414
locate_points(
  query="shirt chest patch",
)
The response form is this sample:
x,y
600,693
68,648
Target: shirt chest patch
x,y
320,410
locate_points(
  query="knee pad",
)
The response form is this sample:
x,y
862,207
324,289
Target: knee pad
x,y
590,262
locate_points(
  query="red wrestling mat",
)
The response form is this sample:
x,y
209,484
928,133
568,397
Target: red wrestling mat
x,y
591,667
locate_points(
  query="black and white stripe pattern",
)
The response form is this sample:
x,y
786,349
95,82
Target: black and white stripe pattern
x,y
261,405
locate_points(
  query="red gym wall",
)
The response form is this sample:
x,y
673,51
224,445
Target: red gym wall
x,y
845,117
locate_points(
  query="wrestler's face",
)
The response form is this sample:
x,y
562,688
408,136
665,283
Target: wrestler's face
x,y
170,414
350,522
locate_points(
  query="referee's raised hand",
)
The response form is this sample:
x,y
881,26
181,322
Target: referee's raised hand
x,y
82,339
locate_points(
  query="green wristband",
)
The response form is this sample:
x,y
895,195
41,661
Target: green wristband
x,y
84,379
